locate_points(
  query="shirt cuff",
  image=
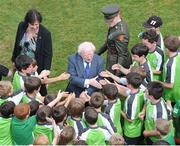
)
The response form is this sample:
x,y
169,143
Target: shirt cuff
x,y
86,83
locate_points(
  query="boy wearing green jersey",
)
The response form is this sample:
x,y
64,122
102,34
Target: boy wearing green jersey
x,y
24,67
96,101
133,106
155,55
163,127
6,112
94,135
76,109
22,125
156,108
32,86
43,126
172,70
6,93
113,107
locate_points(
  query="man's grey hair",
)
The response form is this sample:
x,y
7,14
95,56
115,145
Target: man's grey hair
x,y
86,46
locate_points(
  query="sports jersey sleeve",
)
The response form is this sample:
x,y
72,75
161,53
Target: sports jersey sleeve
x,y
17,97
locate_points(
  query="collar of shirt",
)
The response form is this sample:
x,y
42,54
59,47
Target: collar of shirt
x,y
85,63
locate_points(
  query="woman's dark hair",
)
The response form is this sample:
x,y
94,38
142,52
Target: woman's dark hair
x,y
32,16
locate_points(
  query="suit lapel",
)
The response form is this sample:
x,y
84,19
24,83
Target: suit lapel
x,y
39,39
81,65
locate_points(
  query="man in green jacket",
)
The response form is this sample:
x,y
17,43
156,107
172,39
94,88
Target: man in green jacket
x,y
117,39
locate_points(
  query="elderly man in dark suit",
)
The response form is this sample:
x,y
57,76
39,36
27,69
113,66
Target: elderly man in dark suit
x,y
84,68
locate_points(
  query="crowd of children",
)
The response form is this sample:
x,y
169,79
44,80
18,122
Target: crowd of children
x,y
142,107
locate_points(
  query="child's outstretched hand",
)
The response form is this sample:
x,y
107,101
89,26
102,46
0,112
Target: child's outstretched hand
x,y
64,76
117,67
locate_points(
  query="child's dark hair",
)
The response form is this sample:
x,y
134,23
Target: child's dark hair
x,y
59,113
155,89
139,50
172,43
150,35
23,62
43,112
76,107
7,109
22,110
67,135
139,70
34,106
49,98
31,84
134,79
97,100
91,115
110,91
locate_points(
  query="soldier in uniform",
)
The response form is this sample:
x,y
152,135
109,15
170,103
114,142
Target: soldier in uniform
x,y
117,39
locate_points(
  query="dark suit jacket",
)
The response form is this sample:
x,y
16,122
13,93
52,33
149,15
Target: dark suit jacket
x,y
77,71
43,53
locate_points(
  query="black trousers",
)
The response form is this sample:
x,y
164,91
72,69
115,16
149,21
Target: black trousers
x,y
132,141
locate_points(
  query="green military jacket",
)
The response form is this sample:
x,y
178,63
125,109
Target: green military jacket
x,y
117,46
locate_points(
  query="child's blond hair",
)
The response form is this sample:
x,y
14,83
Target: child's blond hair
x,y
5,88
116,139
163,126
41,140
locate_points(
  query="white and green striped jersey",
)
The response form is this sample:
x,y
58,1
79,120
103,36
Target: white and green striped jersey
x,y
114,111
156,60
16,98
44,129
5,136
147,68
95,136
27,99
78,125
160,42
105,121
154,112
133,106
18,81
171,73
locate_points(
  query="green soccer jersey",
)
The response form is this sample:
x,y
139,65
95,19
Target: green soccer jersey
x,y
176,114
16,98
114,111
22,130
171,75
156,60
27,99
5,136
2,101
105,121
169,138
95,136
78,125
133,106
44,129
154,112
18,81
